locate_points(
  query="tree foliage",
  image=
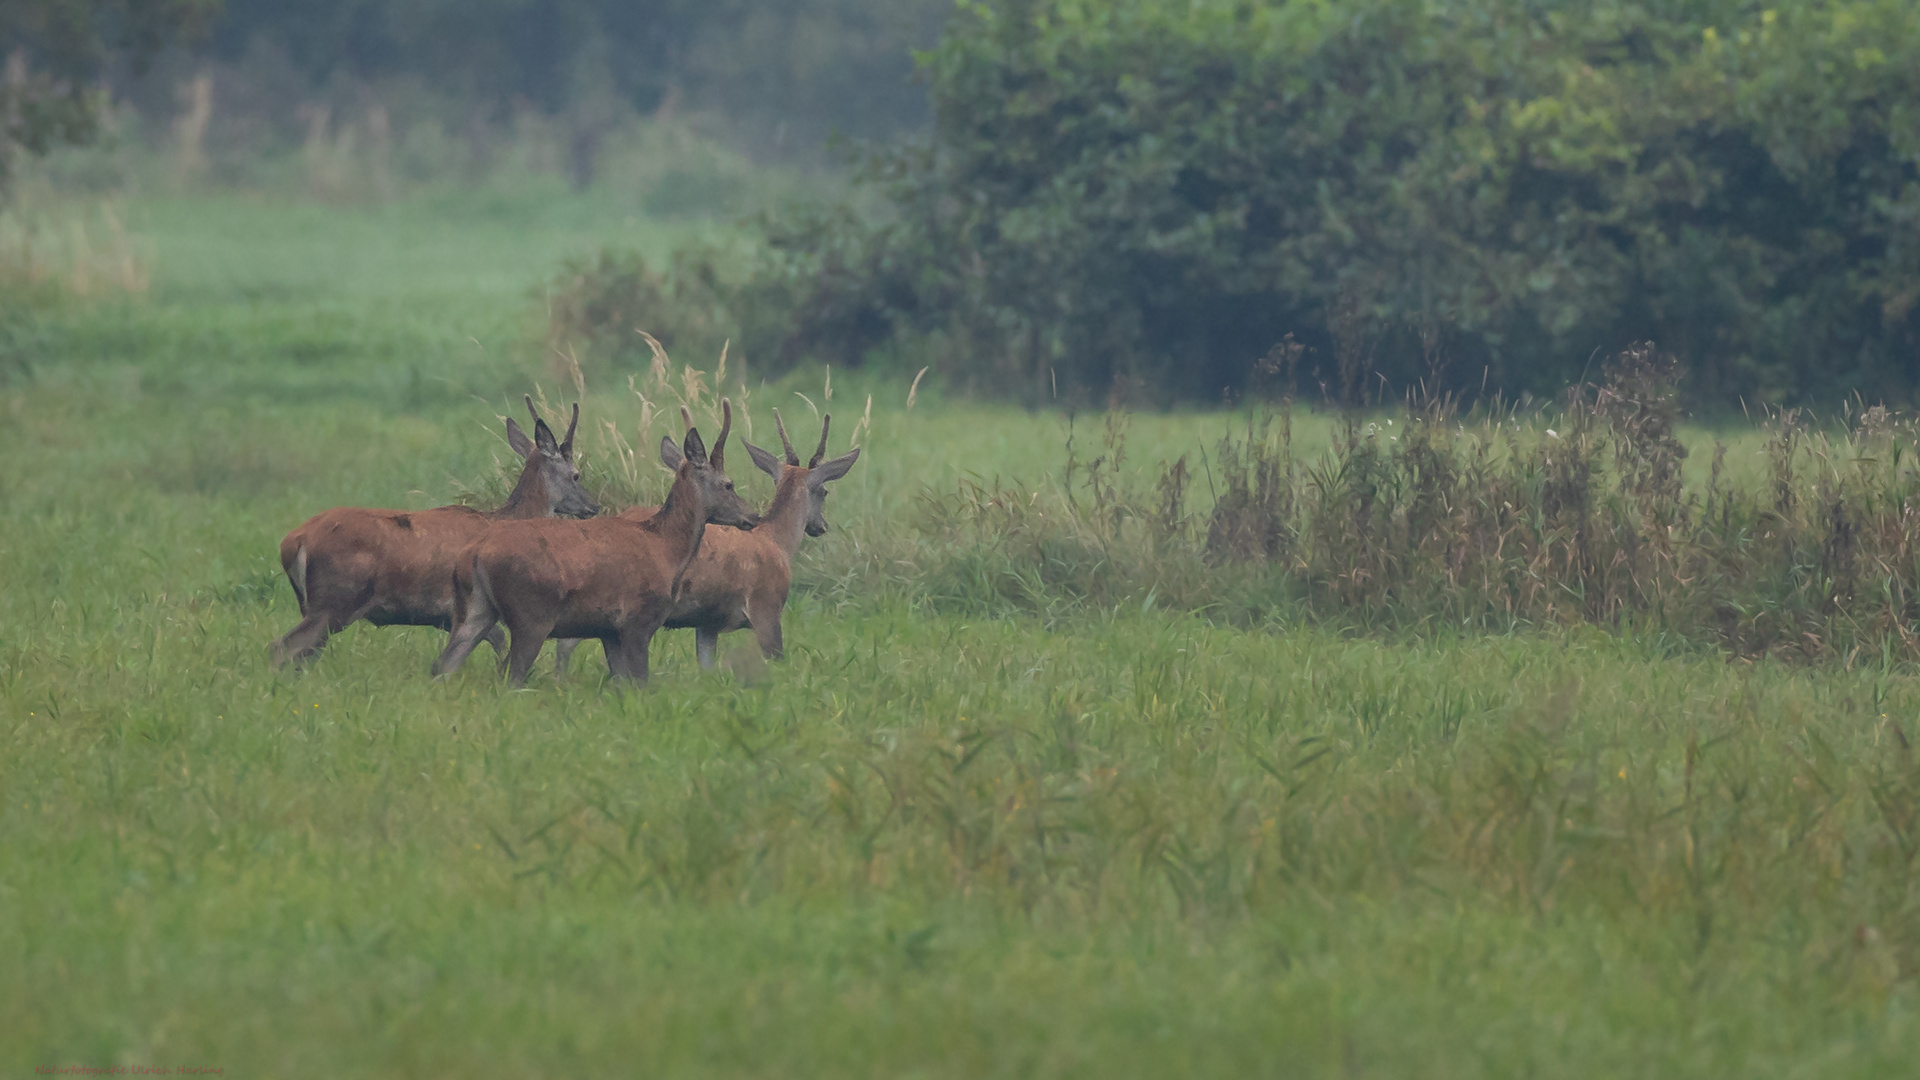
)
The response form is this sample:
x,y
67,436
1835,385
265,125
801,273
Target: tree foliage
x,y
813,65
1158,190
57,51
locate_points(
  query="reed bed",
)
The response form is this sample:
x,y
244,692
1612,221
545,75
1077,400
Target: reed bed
x,y
1434,518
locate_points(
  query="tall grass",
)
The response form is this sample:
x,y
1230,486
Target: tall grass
x,y
1427,517
1022,799
70,251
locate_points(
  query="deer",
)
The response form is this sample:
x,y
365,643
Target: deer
x,y
742,578
612,578
395,567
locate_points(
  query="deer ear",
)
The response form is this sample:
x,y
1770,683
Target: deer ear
x,y
828,471
670,455
543,438
518,439
566,445
695,449
766,462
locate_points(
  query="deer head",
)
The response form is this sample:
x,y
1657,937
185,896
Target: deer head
x,y
818,473
549,482
708,473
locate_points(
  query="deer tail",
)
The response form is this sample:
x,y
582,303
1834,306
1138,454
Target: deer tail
x,y
297,576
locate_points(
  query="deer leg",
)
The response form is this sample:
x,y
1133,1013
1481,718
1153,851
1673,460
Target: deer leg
x,y
323,617
640,658
765,619
706,641
563,654
323,626
527,642
481,624
635,644
497,637
303,641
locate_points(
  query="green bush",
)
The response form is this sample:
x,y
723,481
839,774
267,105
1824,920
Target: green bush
x,y
811,283
1426,520
1483,192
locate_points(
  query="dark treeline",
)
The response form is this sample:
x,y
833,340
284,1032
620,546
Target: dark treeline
x,y
1480,193
56,52
778,80
1098,195
813,65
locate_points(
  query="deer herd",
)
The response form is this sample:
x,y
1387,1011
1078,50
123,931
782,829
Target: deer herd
x,y
548,564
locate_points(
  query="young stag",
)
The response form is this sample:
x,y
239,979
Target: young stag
x,y
741,579
610,578
395,567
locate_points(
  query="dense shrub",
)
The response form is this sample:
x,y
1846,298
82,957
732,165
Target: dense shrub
x,y
606,301
747,297
1157,191
57,51
788,75
1425,519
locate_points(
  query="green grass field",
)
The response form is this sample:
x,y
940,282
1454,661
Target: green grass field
x,y
934,841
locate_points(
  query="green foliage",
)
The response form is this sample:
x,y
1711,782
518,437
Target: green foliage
x,y
1422,521
1471,192
742,291
57,50
710,298
791,72
941,838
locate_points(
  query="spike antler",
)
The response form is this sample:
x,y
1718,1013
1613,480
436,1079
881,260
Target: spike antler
x,y
686,418
792,458
531,411
719,454
820,455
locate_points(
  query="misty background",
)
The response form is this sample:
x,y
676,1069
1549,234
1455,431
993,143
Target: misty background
x,y
1148,200
359,96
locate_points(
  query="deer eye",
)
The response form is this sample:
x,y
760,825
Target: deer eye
x,y
576,474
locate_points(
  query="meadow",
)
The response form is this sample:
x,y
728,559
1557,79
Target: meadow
x,y
983,820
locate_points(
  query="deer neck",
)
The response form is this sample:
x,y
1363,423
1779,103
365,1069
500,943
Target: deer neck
x,y
529,498
785,522
679,523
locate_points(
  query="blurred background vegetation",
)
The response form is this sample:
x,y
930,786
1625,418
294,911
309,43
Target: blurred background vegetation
x,y
1095,199
1573,736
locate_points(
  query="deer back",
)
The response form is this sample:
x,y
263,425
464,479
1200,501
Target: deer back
x,y
396,566
593,577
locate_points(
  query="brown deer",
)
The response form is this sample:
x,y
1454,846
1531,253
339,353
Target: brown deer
x,y
395,567
741,578
610,578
